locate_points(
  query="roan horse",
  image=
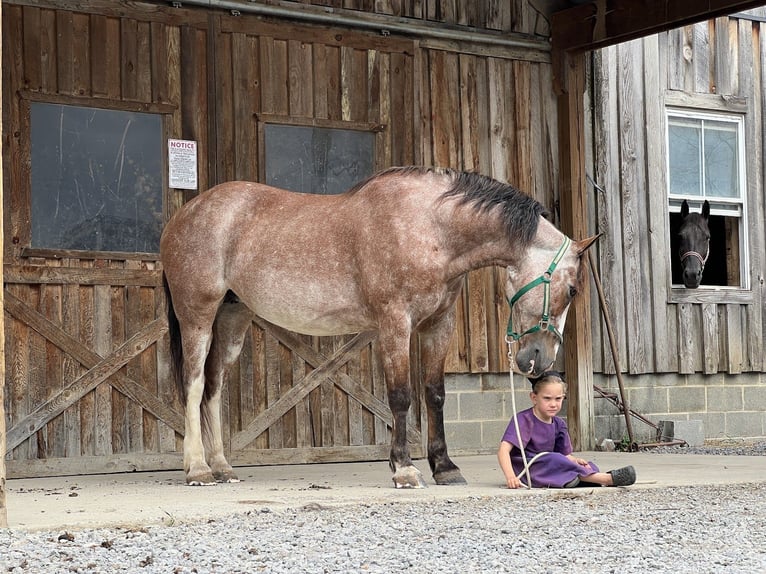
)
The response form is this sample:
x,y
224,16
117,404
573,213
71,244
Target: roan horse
x,y
693,244
387,256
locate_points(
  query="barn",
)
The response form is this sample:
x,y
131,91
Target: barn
x,y
115,113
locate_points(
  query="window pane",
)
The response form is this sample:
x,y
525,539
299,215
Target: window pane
x,y
721,173
684,150
96,179
317,160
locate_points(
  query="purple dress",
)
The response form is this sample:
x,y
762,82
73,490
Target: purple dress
x,y
553,470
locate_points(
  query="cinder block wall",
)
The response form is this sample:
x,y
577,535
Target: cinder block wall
x,y
729,406
478,407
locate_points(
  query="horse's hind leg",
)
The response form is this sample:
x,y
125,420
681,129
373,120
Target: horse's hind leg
x,y
229,330
434,344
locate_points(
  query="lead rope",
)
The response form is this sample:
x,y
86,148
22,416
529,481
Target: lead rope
x,y
525,470
526,463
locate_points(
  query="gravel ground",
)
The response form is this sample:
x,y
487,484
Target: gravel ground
x,y
711,529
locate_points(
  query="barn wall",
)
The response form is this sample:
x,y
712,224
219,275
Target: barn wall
x,y
686,355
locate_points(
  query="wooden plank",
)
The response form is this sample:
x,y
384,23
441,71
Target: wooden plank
x,y
300,78
316,455
81,64
445,105
118,463
273,397
633,185
3,473
522,127
32,48
686,339
87,338
50,307
662,315
701,58
65,51
710,337
733,338
72,369
40,274
48,72
577,342
501,121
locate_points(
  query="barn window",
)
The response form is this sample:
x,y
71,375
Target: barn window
x,y
706,162
97,178
321,159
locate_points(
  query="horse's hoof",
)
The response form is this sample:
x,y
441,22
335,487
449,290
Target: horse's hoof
x,y
449,477
201,480
408,477
227,477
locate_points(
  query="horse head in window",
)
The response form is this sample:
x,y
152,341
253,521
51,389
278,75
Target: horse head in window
x,y
694,244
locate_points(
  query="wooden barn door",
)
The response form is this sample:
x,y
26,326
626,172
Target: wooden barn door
x,y
88,386
294,398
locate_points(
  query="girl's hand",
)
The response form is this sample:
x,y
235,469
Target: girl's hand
x,y
513,482
580,461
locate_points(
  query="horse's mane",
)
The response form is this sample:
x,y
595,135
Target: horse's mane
x,y
520,213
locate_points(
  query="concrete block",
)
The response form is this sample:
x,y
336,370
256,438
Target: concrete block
x,y
693,432
463,436
687,399
724,399
481,406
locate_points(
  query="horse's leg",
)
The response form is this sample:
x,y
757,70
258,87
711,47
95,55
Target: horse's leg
x,y
395,351
196,342
434,344
229,330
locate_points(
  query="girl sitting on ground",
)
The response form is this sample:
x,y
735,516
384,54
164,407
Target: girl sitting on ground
x,y
543,431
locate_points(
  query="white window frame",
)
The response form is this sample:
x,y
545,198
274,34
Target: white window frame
x,y
729,207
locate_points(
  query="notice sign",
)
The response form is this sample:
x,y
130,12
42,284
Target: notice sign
x,y
182,164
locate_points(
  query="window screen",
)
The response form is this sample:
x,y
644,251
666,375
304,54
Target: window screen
x,y
96,179
317,160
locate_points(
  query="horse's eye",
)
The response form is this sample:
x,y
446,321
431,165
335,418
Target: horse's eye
x,y
572,291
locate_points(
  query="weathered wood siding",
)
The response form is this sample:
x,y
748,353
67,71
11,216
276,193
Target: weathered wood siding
x,y
720,62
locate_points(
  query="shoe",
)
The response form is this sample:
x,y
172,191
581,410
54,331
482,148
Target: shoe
x,y
624,476
573,483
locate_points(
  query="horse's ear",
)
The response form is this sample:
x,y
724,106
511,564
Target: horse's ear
x,y
684,209
583,244
706,209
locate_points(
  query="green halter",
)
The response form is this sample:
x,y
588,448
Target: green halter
x,y
545,280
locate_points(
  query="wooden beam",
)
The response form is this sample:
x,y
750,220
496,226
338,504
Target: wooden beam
x,y
578,359
601,23
3,507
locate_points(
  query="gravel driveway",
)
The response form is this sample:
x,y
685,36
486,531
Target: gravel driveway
x,y
696,529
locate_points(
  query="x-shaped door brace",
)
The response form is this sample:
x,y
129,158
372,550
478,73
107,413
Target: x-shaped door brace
x,y
324,368
98,370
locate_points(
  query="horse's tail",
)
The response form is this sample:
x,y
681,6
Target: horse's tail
x,y
176,349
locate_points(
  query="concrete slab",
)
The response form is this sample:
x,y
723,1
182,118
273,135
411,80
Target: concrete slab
x,y
153,498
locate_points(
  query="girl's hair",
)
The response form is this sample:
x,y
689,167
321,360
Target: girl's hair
x,y
548,377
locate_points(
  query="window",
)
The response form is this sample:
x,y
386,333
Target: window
x,y
97,179
706,162
312,159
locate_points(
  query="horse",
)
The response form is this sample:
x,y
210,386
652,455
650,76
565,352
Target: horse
x,y
694,244
388,256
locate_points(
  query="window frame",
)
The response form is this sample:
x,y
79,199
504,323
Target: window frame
x,y
734,110
21,232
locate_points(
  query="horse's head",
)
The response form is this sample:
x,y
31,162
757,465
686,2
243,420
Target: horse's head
x,y
539,290
694,244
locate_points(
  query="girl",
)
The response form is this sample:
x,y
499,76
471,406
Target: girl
x,y
543,431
